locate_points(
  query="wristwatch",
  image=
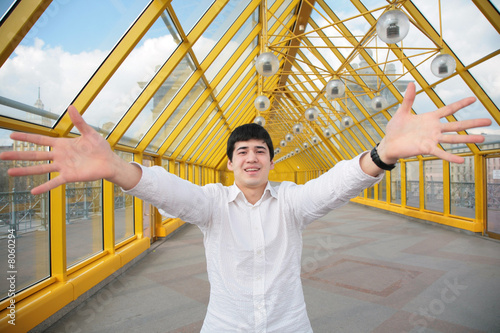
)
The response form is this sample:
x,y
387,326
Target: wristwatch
x,y
376,159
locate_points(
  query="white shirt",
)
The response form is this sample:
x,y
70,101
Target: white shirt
x,y
254,251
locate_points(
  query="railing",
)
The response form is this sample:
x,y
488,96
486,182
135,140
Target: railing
x,y
22,212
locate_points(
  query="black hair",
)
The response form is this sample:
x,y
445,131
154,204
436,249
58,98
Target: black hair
x,y
248,132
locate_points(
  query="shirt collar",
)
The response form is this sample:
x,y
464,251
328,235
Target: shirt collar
x,y
234,191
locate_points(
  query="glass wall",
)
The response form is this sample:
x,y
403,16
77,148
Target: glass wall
x,y
433,185
83,221
396,184
412,184
124,208
462,188
24,223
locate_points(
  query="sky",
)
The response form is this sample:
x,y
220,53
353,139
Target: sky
x,y
71,39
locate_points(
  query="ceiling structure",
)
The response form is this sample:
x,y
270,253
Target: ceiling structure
x,y
172,79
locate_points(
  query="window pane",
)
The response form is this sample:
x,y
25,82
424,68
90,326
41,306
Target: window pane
x,y
396,184
58,56
134,75
83,221
188,14
382,190
124,208
433,185
412,184
462,188
24,218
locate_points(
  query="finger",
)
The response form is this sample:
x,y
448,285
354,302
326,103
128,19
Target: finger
x,y
47,186
444,155
409,98
37,139
456,138
39,169
77,120
454,107
457,126
26,155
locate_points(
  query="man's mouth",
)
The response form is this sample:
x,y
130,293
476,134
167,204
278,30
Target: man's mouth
x,y
252,169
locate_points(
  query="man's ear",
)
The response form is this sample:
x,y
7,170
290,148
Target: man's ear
x,y
272,165
229,165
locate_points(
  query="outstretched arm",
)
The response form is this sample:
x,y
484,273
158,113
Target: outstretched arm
x,y
409,135
85,158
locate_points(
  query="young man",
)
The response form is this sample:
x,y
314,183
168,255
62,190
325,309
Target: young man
x,y
252,231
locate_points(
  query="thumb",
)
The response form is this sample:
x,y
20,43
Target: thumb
x,y
77,120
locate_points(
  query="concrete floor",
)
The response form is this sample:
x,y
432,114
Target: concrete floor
x,y
364,270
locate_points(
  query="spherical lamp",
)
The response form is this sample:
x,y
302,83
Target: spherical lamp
x,y
443,65
292,153
283,143
311,114
393,26
297,150
297,128
314,140
346,121
334,89
378,103
262,103
289,137
267,64
327,132
277,151
260,120
306,145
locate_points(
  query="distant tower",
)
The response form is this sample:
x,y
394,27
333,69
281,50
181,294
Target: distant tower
x,y
39,103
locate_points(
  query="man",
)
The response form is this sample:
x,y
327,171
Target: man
x,y
252,231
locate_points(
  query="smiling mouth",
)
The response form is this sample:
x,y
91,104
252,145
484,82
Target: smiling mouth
x,y
252,169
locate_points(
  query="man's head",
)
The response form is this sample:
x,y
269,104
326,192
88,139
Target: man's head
x,y
248,132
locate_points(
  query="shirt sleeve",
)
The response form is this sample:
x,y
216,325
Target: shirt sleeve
x,y
173,195
331,190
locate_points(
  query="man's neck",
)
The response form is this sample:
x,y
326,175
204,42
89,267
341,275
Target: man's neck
x,y
252,194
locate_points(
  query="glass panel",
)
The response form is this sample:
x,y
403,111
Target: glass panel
x,y
493,194
83,221
481,38
124,208
188,14
177,115
396,184
57,57
188,128
231,48
382,189
195,137
217,28
160,100
462,187
133,76
4,7
370,192
433,185
412,184
24,223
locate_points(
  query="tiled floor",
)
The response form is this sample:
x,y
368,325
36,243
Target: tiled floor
x,y
364,270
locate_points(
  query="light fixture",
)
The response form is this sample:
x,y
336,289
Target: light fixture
x,y
306,145
311,114
260,121
443,65
393,26
292,153
334,89
262,103
297,128
267,64
346,121
378,103
277,151
289,137
327,132
314,139
283,143
297,150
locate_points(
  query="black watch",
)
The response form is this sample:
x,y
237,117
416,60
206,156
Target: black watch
x,y
376,159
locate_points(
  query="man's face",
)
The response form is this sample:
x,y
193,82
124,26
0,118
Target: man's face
x,y
251,164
